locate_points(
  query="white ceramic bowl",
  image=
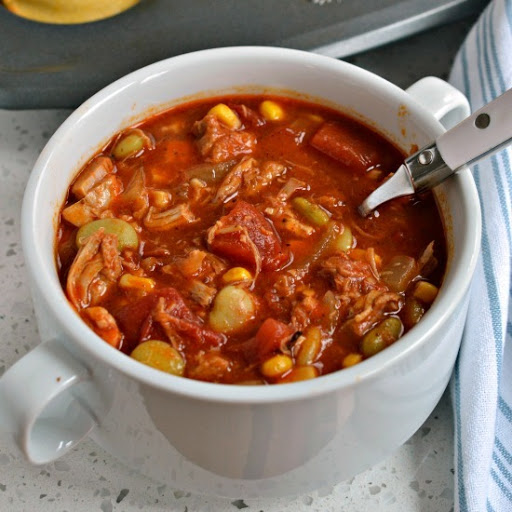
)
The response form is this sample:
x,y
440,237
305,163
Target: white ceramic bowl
x,y
212,438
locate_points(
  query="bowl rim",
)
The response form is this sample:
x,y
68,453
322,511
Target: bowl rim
x,y
76,331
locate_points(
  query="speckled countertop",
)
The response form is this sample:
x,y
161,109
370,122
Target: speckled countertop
x,y
417,478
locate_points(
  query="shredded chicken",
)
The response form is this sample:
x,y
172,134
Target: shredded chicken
x,y
332,303
281,295
95,171
285,219
370,256
162,221
199,192
289,188
427,261
247,174
218,143
209,130
258,179
303,308
197,264
364,299
233,144
375,305
103,324
234,179
136,194
181,325
287,282
209,366
94,203
96,265
200,292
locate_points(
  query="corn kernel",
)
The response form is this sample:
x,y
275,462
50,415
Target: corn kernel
x,y
351,360
276,365
226,116
426,292
129,281
236,275
300,373
271,111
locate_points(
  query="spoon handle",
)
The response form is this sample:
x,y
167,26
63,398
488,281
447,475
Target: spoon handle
x,y
481,134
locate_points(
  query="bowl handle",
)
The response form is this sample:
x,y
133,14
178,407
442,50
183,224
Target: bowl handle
x,y
446,103
43,402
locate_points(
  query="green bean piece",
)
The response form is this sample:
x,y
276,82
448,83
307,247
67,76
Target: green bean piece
x,y
126,235
381,336
344,241
130,144
312,212
233,309
160,355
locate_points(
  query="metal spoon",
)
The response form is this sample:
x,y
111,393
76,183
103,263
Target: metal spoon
x,y
481,134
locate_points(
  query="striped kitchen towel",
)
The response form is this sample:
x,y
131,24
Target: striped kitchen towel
x,y
482,381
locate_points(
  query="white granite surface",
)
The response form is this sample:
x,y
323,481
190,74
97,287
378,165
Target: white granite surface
x,y
417,478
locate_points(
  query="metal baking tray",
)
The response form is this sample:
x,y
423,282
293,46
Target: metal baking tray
x,y
59,66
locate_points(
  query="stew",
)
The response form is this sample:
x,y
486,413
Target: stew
x,y
220,241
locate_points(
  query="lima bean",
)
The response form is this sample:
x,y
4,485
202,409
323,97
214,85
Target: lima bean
x,y
233,308
130,144
381,336
160,355
126,235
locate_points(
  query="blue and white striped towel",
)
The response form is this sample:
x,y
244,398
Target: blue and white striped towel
x,y
482,382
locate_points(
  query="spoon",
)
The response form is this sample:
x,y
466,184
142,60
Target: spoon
x,y
481,134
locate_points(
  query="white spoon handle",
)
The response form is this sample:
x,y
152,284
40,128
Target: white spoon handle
x,y
481,134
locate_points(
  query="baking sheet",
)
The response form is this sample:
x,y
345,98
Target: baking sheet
x,y
59,66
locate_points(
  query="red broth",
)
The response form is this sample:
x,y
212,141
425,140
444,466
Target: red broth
x,y
223,243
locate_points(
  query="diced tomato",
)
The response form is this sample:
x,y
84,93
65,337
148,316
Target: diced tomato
x,y
233,243
271,335
344,145
267,341
131,317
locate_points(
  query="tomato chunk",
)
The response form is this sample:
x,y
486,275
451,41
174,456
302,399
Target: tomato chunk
x,y
270,336
344,145
244,235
